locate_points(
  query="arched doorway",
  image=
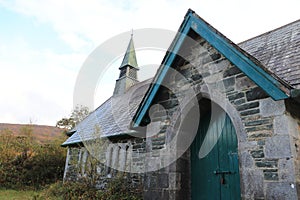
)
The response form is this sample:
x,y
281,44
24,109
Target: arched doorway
x,y
214,157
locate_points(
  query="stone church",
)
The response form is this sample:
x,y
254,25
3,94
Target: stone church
x,y
217,121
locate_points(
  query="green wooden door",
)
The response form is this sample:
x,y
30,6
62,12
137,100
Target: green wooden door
x,y
215,173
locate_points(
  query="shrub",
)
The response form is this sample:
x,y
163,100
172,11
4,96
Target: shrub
x,y
66,191
117,189
25,163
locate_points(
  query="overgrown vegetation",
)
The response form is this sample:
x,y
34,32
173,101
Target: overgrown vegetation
x,y
117,189
36,169
27,164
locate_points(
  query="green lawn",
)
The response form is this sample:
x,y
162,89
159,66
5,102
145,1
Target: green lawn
x,y
17,195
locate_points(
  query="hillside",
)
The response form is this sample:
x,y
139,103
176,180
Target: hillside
x,y
41,133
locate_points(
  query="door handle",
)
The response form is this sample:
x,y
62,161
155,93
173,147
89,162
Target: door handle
x,y
222,173
216,172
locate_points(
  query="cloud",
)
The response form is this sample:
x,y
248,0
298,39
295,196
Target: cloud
x,y
81,24
42,80
36,82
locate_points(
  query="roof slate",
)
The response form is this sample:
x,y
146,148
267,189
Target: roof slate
x,y
279,51
112,117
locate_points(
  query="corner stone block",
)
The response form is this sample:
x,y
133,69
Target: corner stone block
x,y
246,160
278,147
294,127
286,170
284,125
281,190
281,125
253,184
269,107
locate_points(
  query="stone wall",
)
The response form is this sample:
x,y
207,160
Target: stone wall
x,y
266,137
120,157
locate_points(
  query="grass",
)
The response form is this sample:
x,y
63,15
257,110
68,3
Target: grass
x,y
17,194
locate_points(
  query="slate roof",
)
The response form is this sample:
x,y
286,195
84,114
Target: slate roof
x,y
112,117
279,51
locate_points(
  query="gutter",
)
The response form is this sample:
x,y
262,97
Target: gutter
x,y
124,135
76,144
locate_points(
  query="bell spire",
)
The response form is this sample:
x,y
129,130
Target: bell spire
x,y
128,70
130,57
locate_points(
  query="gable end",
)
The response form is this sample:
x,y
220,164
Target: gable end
x,y
256,71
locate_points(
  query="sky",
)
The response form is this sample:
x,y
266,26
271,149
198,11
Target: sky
x,y
43,44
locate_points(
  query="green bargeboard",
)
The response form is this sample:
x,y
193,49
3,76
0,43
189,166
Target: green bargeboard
x,y
216,175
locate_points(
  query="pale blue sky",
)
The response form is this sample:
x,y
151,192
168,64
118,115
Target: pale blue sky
x,y
39,35
43,44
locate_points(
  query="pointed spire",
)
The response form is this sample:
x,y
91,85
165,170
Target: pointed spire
x,y
130,57
128,70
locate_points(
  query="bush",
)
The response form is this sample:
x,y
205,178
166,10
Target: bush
x,y
66,191
117,189
46,166
25,163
